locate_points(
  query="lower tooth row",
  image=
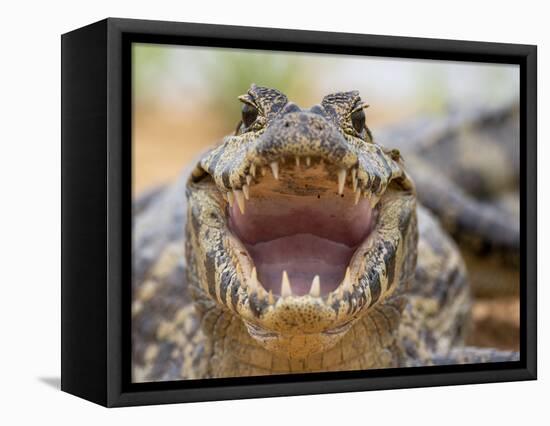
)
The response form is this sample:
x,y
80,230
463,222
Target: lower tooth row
x,y
286,287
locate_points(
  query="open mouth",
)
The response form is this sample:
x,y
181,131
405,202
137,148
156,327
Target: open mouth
x,y
301,224
305,239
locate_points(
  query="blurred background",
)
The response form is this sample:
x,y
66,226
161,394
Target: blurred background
x,y
185,100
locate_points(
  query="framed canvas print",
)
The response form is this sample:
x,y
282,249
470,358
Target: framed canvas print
x,y
251,212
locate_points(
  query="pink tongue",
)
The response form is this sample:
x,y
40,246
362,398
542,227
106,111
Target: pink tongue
x,y
306,236
302,256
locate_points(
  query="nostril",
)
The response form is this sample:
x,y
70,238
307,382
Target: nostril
x,y
287,124
317,109
291,107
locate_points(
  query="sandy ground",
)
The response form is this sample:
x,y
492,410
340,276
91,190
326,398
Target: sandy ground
x,y
495,323
164,143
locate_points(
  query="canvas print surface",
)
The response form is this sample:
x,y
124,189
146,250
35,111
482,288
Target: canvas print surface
x,y
297,213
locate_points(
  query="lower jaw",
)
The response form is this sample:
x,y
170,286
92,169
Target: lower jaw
x,y
299,353
279,317
300,346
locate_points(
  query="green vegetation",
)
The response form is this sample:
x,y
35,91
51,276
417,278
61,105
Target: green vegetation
x,y
230,73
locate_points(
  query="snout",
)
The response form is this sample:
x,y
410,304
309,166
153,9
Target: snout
x,y
302,133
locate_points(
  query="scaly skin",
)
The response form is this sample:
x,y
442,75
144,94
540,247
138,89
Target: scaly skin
x,y
466,169
405,301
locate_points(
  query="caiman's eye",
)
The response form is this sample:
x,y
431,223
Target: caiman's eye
x,y
358,120
249,114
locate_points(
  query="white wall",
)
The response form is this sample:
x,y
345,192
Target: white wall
x,y
30,241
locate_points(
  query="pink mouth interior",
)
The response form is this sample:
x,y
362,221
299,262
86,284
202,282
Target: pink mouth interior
x,y
304,235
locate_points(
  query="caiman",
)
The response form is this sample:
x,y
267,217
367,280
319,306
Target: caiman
x,y
302,244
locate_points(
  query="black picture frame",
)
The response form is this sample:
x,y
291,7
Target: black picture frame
x,y
96,211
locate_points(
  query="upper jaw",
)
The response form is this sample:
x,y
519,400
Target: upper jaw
x,y
302,137
366,171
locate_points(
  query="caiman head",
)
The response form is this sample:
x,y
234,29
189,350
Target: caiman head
x,y
299,223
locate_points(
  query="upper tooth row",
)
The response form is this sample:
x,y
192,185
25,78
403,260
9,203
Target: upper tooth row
x,y
286,287
240,195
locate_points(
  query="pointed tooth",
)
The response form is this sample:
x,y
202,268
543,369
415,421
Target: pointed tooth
x,y
275,169
297,161
262,171
240,199
308,161
357,195
346,284
248,179
230,198
286,289
246,192
253,170
261,294
341,181
256,286
354,179
253,279
315,289
270,297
